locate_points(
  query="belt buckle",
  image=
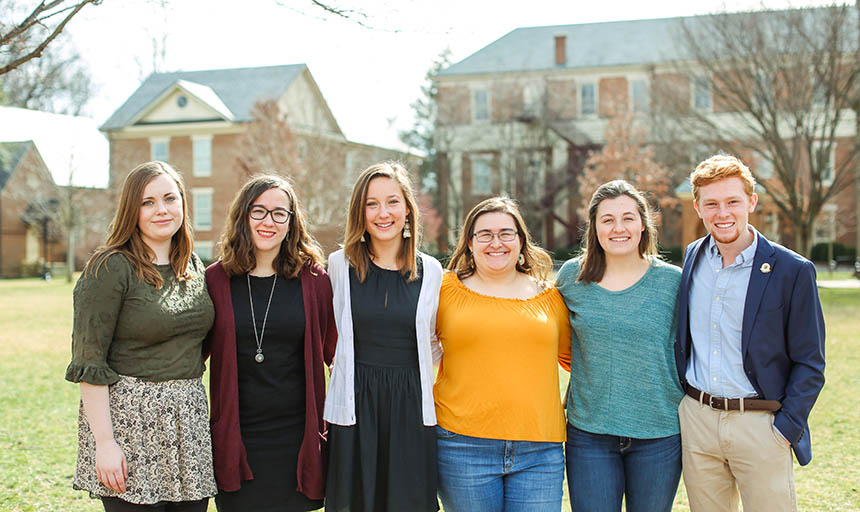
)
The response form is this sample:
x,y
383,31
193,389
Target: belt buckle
x,y
711,403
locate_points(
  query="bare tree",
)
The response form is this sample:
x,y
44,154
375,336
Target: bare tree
x,y
38,26
313,162
627,156
780,85
57,82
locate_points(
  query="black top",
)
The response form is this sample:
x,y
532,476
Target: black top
x,y
383,317
271,393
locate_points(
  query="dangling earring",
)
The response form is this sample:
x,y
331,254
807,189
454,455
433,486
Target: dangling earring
x,y
407,231
362,238
521,260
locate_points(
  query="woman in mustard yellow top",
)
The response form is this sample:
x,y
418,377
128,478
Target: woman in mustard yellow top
x,y
503,331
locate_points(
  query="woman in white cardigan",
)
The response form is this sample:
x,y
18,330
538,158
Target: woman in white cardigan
x,y
382,441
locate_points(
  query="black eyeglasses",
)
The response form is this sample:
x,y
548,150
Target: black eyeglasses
x,y
486,236
279,215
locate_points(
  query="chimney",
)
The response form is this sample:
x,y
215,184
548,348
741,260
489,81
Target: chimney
x,y
560,50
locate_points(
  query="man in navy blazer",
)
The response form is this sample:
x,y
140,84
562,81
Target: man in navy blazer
x,y
750,351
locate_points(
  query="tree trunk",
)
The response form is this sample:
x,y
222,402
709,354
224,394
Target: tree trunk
x,y
70,255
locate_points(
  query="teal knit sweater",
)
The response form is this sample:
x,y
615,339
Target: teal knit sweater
x,y
623,379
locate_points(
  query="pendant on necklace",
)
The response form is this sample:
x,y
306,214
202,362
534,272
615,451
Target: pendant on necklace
x,y
259,357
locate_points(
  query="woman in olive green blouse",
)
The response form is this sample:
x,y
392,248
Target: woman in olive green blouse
x,y
141,311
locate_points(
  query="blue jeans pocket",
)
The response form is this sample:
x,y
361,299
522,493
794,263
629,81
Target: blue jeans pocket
x,y
441,433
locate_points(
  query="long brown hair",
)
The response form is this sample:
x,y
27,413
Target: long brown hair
x,y
536,262
593,258
299,248
124,234
358,253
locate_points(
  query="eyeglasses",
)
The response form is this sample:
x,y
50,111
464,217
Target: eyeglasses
x,y
505,235
279,215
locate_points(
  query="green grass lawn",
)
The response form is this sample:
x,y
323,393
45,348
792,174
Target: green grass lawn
x,y
38,409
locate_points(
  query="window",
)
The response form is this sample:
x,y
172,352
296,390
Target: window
x,y
482,104
762,89
303,151
158,149
825,225
532,100
763,166
202,208
481,176
202,147
702,93
204,249
588,99
823,159
349,163
639,93
819,92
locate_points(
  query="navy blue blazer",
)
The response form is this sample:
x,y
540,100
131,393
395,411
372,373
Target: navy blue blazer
x,y
782,339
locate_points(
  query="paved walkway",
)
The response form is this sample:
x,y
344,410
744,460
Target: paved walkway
x,y
842,283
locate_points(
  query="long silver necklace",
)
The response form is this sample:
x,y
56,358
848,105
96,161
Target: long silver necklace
x,y
259,357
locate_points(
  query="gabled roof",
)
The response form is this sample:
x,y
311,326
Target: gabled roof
x,y
72,147
11,154
233,91
589,45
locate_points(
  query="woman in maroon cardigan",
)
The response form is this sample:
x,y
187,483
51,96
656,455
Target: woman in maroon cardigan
x,y
274,333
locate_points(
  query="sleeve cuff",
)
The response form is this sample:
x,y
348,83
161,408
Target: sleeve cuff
x,y
91,375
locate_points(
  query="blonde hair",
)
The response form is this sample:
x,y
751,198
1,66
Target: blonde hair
x,y
298,249
536,262
720,167
124,234
358,253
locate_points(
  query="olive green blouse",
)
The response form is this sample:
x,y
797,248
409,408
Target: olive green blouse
x,y
124,326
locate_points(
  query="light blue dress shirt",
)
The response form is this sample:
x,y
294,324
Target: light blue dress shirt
x,y
717,297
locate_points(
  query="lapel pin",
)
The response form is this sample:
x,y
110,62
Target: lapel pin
x,y
765,268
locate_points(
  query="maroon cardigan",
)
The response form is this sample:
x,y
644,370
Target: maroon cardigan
x,y
230,458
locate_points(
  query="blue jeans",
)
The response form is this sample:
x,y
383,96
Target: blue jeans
x,y
603,468
493,475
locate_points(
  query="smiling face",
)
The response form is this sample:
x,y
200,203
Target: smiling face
x,y
725,208
267,234
160,215
384,210
619,226
495,256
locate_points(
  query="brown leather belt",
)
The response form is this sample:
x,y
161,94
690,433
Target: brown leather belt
x,y
732,404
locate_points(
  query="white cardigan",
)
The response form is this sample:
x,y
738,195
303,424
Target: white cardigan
x,y
340,400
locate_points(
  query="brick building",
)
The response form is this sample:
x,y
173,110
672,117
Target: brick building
x,y
210,125
520,117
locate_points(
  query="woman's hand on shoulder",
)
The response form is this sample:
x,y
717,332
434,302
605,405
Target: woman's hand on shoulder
x,y
111,466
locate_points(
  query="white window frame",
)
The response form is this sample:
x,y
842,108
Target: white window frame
x,y
827,179
201,222
205,249
478,188
696,85
581,96
302,150
349,165
153,141
486,110
633,106
200,170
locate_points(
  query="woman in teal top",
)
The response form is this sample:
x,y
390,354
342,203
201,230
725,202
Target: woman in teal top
x,y
623,437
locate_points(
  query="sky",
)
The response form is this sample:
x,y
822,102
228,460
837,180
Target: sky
x,y
368,75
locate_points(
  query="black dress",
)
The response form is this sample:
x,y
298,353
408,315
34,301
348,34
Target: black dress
x,y
386,462
271,396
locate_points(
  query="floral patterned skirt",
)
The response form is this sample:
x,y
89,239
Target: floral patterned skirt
x,y
163,430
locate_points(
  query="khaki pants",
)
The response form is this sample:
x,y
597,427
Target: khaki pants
x,y
726,452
